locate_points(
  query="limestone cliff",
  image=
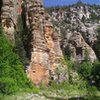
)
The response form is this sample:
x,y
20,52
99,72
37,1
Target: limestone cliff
x,y
43,34
78,24
79,49
10,10
43,39
44,42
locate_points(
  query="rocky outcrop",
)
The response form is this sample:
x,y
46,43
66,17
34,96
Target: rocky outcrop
x,y
10,10
77,22
44,43
79,49
43,39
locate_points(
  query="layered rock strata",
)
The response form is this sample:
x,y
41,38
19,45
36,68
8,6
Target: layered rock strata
x,y
10,10
43,38
77,22
44,46
79,49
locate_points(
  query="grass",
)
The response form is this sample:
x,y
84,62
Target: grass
x,y
24,95
61,91
67,90
21,95
64,90
17,96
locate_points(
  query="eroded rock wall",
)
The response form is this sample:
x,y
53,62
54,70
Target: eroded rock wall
x,y
43,38
10,10
44,43
80,50
77,22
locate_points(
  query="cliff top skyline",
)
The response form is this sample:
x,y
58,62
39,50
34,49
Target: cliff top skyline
x,y
49,3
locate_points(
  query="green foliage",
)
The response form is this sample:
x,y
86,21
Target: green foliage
x,y
12,75
8,85
91,92
94,17
91,72
96,46
56,8
96,73
86,53
67,53
66,89
97,50
83,19
85,69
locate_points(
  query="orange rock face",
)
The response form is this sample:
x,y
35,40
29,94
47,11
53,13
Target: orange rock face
x,y
48,36
38,74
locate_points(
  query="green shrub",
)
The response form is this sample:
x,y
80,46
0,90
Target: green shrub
x,y
91,92
8,85
12,73
96,74
85,69
96,46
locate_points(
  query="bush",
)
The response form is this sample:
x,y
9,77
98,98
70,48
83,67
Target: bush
x,y
96,46
91,92
8,85
85,69
12,73
96,74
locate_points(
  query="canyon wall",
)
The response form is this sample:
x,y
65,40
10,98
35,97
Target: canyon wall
x,y
44,45
72,29
78,24
10,10
43,38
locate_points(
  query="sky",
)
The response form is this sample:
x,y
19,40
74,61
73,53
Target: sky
x,y
68,2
